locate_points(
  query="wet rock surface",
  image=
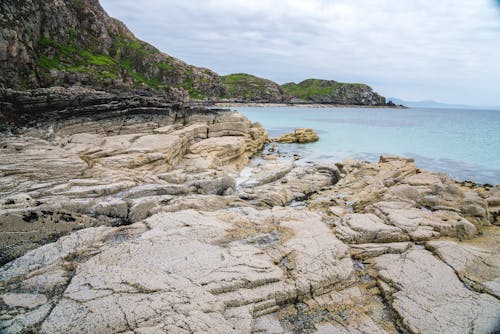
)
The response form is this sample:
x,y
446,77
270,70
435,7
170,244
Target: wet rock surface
x,y
160,223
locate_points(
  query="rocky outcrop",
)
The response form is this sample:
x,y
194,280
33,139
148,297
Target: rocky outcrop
x,y
301,136
76,104
332,92
74,42
246,88
242,87
127,213
105,159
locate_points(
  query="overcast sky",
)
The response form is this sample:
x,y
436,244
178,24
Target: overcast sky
x,y
447,50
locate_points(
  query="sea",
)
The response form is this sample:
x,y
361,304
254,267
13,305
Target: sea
x,y
464,143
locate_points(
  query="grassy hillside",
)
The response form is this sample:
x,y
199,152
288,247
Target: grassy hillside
x,y
246,87
330,91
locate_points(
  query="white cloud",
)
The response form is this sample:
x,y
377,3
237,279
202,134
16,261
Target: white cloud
x,y
446,50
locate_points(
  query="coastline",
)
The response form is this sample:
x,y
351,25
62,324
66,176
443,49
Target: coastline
x,y
296,105
251,244
141,194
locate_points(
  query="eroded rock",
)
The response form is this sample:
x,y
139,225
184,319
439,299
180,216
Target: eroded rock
x,y
300,135
429,297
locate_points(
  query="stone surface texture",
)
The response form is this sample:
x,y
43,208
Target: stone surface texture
x,y
154,219
301,136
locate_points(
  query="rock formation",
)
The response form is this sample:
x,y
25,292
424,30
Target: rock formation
x,y
332,92
131,215
244,88
301,136
74,42
127,211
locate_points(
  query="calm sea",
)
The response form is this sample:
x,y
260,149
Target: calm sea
x,y
462,143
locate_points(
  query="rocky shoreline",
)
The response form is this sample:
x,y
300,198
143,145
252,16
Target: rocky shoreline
x,y
132,214
298,105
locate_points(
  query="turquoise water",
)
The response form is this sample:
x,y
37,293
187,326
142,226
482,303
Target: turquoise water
x,y
462,143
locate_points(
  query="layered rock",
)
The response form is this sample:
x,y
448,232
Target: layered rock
x,y
103,156
75,42
133,215
301,136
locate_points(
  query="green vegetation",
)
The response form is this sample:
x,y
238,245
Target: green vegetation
x,y
47,63
329,91
311,87
167,65
70,58
249,87
133,44
128,58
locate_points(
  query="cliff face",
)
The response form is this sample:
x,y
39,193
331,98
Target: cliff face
x,y
74,42
330,91
68,42
248,88
241,87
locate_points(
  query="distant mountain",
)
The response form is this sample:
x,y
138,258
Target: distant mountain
x,y
434,104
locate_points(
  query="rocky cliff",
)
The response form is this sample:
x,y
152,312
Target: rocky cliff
x,y
330,91
74,42
69,42
241,87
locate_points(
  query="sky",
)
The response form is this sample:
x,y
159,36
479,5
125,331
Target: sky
x,y
447,50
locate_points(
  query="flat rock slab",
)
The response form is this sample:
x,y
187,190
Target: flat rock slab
x,y
477,266
187,271
430,298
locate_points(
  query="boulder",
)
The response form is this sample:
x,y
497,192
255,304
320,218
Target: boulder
x,y
301,136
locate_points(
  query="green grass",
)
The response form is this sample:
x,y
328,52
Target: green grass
x,y
131,44
242,85
127,57
48,63
311,87
166,65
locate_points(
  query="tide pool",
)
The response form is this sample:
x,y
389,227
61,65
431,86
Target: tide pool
x,y
463,143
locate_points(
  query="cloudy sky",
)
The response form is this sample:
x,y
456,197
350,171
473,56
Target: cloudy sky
x,y
447,50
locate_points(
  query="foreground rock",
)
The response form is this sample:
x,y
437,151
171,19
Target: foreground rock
x,y
419,286
300,136
108,160
151,219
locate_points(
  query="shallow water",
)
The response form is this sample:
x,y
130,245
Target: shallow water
x,y
462,143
